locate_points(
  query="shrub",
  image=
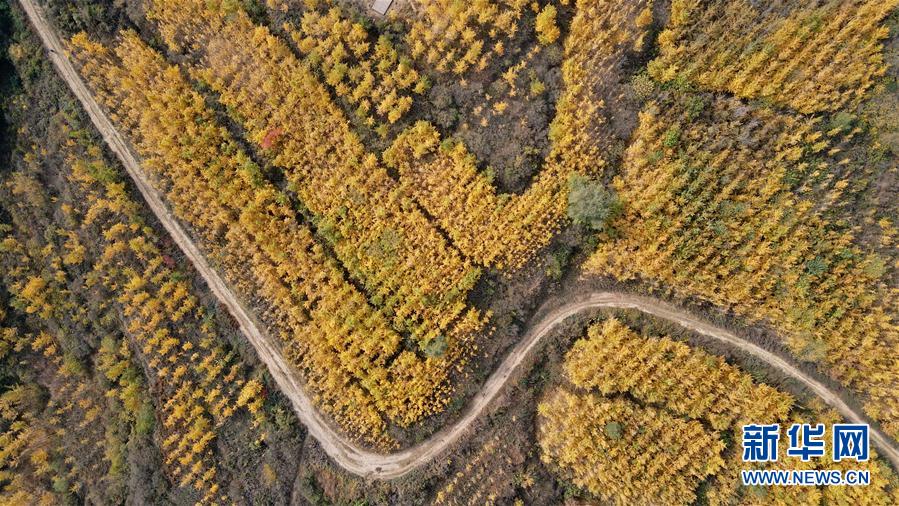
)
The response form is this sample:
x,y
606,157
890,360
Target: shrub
x,y
590,203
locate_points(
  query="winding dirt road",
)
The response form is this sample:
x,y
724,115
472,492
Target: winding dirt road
x,y
344,452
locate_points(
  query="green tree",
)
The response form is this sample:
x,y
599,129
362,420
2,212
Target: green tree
x,y
590,203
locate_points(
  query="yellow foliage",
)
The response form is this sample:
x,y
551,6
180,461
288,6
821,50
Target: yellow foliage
x,y
710,212
660,371
250,395
329,330
381,236
809,56
358,71
547,30
486,227
450,36
624,453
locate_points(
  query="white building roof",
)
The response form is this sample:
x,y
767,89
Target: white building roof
x,y
381,6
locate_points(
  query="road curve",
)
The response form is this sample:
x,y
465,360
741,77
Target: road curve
x,y
344,452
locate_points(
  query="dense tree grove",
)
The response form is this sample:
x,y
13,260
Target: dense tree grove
x,y
500,230
327,328
624,453
712,210
380,235
646,418
808,56
613,359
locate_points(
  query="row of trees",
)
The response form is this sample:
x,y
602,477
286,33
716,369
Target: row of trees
x,y
36,436
372,77
201,385
484,473
711,212
506,230
660,371
40,437
378,233
811,57
63,426
498,230
601,35
346,350
452,36
21,440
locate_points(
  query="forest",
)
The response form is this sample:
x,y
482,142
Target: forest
x,y
399,202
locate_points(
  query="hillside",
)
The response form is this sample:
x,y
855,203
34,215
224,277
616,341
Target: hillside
x,y
287,251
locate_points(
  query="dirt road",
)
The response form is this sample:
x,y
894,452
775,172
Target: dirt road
x,y
346,454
